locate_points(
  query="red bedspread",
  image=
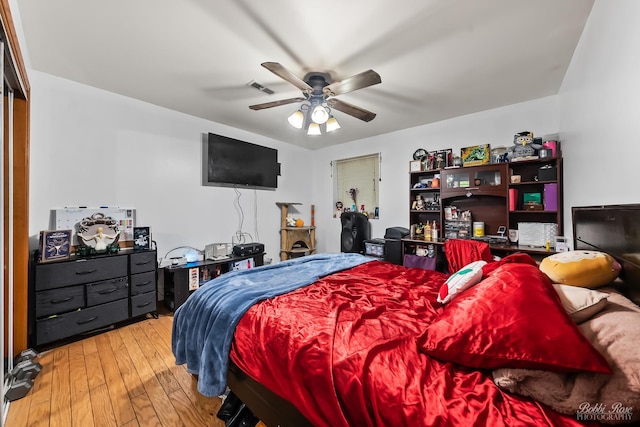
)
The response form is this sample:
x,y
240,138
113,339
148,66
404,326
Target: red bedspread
x,y
344,352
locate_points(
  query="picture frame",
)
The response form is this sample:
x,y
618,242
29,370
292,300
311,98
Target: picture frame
x,y
141,238
415,166
475,155
443,159
54,245
428,162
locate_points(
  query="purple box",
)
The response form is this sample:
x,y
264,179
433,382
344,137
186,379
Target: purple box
x,y
551,197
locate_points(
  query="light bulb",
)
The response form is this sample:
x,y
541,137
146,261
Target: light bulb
x,y
314,129
296,119
319,114
332,124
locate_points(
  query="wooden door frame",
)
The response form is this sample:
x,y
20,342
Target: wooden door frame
x,y
21,125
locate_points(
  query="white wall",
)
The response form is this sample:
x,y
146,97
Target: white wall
x,y
599,109
495,127
93,148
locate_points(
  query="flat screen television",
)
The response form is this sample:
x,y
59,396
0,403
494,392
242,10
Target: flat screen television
x,y
230,162
614,229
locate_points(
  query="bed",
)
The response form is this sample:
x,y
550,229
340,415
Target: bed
x,y
347,340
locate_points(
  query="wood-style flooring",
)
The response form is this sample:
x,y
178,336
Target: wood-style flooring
x,y
122,377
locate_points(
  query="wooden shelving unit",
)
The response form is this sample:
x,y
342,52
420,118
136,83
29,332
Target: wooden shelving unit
x,y
294,241
485,191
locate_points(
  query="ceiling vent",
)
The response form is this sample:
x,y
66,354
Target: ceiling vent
x,y
260,87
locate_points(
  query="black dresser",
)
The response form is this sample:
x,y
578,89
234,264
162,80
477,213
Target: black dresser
x,y
79,295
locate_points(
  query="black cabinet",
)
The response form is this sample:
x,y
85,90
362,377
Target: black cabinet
x,y
79,295
143,273
181,280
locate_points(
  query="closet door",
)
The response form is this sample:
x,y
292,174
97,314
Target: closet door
x,y
14,197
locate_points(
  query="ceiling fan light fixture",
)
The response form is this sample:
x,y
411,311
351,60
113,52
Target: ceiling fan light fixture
x,y
319,114
332,124
296,119
314,129
316,107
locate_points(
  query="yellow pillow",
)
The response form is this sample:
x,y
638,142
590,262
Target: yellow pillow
x,y
586,269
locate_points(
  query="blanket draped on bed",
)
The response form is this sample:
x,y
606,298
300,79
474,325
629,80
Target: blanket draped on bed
x,y
203,326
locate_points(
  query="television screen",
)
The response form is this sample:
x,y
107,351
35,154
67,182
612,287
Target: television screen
x,y
614,229
231,162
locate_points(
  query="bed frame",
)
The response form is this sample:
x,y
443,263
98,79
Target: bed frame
x,y
614,229
271,409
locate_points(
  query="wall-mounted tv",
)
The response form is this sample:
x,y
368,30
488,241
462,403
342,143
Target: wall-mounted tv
x,y
230,162
614,229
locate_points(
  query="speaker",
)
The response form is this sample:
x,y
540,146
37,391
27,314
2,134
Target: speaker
x,y
246,249
355,230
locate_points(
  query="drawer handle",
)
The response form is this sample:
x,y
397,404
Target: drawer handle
x,y
144,305
144,284
107,291
80,273
84,322
60,301
143,263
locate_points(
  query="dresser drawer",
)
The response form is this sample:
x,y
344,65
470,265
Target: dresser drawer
x,y
55,275
59,300
107,290
143,303
143,283
140,262
76,322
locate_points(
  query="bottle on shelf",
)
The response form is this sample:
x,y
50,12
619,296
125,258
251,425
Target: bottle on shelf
x,y
434,230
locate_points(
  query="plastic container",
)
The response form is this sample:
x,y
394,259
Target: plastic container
x,y
478,229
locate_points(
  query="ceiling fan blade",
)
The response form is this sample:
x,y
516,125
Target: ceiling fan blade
x,y
287,75
276,103
352,110
359,81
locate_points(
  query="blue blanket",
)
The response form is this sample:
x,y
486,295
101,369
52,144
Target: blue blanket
x,y
203,326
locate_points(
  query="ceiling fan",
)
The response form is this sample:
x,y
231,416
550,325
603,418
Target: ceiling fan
x,y
318,91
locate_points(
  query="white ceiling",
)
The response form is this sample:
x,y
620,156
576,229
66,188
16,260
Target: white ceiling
x,y
437,58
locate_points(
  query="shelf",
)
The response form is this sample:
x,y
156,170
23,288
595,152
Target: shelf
x,y
485,190
299,228
291,236
537,160
518,184
521,211
299,250
433,171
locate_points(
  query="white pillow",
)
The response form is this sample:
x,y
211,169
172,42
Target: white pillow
x,y
581,303
466,277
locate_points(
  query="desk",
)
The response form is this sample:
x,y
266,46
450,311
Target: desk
x,y
409,246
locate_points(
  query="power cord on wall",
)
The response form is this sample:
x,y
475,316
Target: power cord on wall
x,y
255,214
240,237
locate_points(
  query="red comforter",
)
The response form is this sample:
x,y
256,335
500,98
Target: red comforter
x,y
345,352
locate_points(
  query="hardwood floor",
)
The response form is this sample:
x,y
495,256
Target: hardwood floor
x,y
123,377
